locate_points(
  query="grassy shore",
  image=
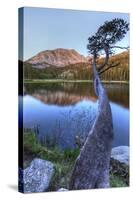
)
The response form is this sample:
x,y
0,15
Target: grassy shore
x,y
63,161
68,81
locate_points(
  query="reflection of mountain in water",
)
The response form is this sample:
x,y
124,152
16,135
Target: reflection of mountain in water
x,y
60,98
71,93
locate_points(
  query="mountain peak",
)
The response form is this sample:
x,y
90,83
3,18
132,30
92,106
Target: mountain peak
x,y
58,57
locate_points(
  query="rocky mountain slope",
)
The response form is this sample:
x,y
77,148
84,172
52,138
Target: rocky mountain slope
x,y
59,58
68,64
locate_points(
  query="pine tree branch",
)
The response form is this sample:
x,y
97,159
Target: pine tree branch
x,y
109,67
119,47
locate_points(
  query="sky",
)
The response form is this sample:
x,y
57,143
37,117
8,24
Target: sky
x,y
47,29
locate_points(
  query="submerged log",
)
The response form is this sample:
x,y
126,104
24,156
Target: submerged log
x,y
91,168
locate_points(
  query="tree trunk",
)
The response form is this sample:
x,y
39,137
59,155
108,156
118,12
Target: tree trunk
x,y
91,168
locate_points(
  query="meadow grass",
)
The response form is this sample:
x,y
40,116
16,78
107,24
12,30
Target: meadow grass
x,y
68,81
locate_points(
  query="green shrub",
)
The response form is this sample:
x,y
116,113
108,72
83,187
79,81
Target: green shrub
x,y
117,181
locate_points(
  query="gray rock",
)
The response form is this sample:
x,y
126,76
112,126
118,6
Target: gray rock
x,y
121,154
62,190
38,175
119,163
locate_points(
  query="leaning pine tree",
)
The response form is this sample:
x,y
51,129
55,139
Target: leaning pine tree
x,y
91,169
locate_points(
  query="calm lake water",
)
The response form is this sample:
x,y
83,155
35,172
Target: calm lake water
x,y
58,112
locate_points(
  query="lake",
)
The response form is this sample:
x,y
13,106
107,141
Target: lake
x,y
61,112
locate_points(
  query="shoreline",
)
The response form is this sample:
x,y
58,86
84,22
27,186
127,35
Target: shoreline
x,y
70,81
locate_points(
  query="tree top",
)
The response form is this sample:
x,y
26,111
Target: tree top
x,y
107,35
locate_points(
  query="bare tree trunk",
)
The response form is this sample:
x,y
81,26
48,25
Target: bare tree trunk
x,y
91,168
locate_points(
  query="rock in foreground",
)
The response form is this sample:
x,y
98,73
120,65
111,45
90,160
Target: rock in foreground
x,y
119,163
121,154
62,190
37,176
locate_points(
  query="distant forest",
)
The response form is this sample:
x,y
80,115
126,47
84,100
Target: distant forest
x,y
81,71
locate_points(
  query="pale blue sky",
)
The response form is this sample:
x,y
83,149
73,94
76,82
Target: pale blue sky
x,y
58,28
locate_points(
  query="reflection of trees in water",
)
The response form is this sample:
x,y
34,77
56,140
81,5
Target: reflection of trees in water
x,y
78,88
118,93
70,93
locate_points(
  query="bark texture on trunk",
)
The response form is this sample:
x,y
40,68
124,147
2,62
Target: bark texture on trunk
x,y
91,168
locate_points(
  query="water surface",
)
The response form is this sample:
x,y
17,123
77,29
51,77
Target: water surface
x,y
60,112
